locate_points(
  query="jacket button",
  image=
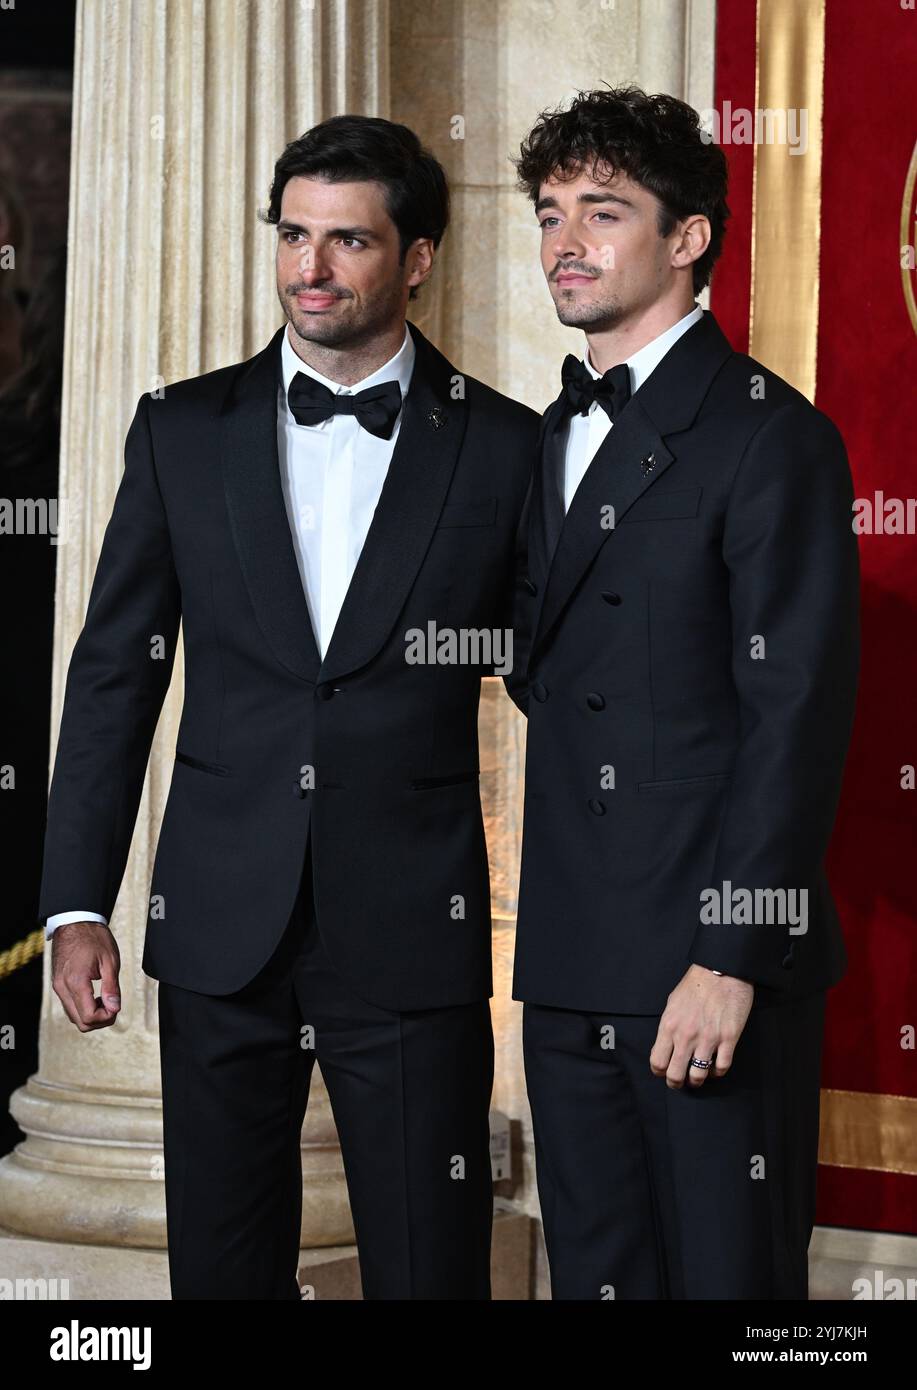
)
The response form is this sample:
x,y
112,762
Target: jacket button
x,y
299,791
611,598
530,586
595,701
597,807
540,692
326,691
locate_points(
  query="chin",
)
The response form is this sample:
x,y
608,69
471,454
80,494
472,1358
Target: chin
x,y
581,315
315,328
598,316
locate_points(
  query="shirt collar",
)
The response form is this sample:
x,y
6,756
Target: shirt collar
x,y
647,358
398,368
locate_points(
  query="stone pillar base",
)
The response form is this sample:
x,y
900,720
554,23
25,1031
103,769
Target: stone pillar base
x,y
90,1170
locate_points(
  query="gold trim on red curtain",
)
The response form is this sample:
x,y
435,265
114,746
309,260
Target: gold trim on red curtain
x,y
786,197
861,1130
858,1129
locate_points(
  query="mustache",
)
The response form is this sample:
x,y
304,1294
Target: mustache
x,y
569,268
338,291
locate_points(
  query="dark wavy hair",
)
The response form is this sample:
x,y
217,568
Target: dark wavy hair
x,y
656,140
358,149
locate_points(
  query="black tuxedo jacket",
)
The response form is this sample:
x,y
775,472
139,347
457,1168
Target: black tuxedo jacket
x,y
199,535
668,751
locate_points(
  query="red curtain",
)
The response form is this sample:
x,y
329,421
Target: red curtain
x,y
866,369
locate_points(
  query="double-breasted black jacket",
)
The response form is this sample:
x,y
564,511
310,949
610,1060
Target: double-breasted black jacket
x,y
689,681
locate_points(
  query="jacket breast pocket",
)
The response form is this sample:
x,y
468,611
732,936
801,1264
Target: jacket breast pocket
x,y
672,505
429,784
217,769
480,513
688,784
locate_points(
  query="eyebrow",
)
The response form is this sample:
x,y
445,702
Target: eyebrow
x,y
367,232
549,202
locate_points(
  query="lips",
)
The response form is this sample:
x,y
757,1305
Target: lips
x,y
316,301
574,279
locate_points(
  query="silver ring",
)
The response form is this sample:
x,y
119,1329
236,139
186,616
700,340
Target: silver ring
x,y
696,1062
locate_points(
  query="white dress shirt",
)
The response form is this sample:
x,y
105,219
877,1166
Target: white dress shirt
x,y
587,432
331,475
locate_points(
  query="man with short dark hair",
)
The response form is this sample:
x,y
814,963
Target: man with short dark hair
x,y
688,604
320,889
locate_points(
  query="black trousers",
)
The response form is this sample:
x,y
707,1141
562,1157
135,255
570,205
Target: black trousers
x,y
410,1093
653,1193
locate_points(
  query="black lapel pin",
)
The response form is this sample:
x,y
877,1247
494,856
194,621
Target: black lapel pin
x,y
648,464
437,418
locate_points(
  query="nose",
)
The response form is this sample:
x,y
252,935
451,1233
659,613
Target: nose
x,y
313,267
574,253
569,245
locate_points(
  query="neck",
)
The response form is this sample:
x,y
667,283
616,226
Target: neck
x,y
351,362
610,346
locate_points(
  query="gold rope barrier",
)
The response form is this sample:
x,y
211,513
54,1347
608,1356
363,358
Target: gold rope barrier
x,y
21,952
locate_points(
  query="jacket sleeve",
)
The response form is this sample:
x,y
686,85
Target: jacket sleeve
x,y
519,601
119,673
518,609
793,566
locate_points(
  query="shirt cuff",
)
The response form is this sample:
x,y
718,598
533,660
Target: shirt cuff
x,y
59,918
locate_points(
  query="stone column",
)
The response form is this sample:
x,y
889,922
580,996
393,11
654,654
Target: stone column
x,y
180,110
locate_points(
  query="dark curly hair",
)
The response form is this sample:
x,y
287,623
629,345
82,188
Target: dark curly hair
x,y
655,140
358,149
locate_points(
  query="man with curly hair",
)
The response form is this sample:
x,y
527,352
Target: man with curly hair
x,y
687,611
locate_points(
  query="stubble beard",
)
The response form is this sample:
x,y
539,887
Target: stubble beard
x,y
598,314
337,334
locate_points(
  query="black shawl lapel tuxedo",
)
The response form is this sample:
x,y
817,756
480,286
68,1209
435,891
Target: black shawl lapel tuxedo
x,y
426,454
664,759
370,759
401,530
257,512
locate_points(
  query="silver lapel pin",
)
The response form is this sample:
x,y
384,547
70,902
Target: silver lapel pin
x,y
437,418
648,464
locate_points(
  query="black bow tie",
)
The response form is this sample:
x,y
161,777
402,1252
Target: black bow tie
x,y
376,408
581,388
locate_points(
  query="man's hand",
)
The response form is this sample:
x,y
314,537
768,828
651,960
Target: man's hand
x,y
704,1015
82,952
